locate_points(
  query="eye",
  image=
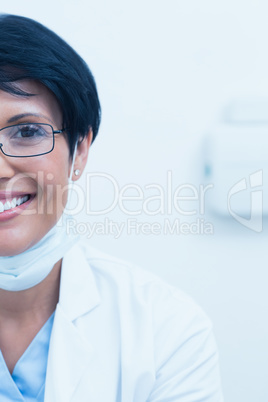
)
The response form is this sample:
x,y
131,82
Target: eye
x,y
30,131
27,139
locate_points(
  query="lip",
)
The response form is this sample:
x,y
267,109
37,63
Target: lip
x,y
7,195
13,212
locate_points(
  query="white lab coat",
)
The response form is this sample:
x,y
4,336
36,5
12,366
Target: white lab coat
x,y
121,334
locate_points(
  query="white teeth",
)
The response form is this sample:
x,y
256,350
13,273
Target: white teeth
x,y
12,204
7,205
21,200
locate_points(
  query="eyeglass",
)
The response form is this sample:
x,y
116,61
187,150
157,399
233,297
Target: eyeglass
x,y
27,139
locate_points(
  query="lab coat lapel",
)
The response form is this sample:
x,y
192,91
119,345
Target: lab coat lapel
x,y
69,352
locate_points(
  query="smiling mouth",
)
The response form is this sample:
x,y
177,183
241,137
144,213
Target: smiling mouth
x,y
13,203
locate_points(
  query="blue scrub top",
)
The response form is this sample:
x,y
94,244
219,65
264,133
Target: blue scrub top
x,y
27,382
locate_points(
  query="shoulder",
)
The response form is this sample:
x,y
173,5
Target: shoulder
x,y
135,285
124,273
165,339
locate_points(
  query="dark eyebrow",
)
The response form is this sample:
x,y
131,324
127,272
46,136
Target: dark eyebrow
x,y
20,116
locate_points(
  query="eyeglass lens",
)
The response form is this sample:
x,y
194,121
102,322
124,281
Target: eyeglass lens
x,y
27,139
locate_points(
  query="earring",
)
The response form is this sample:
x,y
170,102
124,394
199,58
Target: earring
x,y
76,172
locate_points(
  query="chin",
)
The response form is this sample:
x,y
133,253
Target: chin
x,y
14,245
10,251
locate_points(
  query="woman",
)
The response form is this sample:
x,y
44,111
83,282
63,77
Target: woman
x,y
76,325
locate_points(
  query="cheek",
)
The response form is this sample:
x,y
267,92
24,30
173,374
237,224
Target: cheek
x,y
52,192
52,172
56,194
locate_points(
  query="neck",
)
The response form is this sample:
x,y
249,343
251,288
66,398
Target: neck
x,y
38,302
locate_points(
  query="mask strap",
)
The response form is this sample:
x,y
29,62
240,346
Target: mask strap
x,y
70,184
72,167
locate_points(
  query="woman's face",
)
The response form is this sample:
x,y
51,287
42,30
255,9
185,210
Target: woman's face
x,y
44,178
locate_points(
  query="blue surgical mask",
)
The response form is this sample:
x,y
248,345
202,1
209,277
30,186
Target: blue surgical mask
x,y
25,270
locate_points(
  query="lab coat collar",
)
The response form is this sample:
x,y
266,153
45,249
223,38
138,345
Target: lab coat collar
x,y
70,353
68,358
78,289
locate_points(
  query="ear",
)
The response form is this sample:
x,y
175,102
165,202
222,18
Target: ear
x,y
82,155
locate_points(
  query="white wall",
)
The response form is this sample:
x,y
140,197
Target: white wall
x,y
164,71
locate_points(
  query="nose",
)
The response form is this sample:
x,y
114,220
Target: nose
x,y
7,170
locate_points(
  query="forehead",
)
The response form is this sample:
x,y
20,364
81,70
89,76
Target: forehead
x,y
42,105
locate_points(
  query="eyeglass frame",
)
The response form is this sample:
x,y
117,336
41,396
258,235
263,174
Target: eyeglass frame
x,y
25,124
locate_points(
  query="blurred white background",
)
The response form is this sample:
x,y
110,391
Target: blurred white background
x,y
165,71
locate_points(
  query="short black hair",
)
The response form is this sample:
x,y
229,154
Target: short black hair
x,y
29,50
